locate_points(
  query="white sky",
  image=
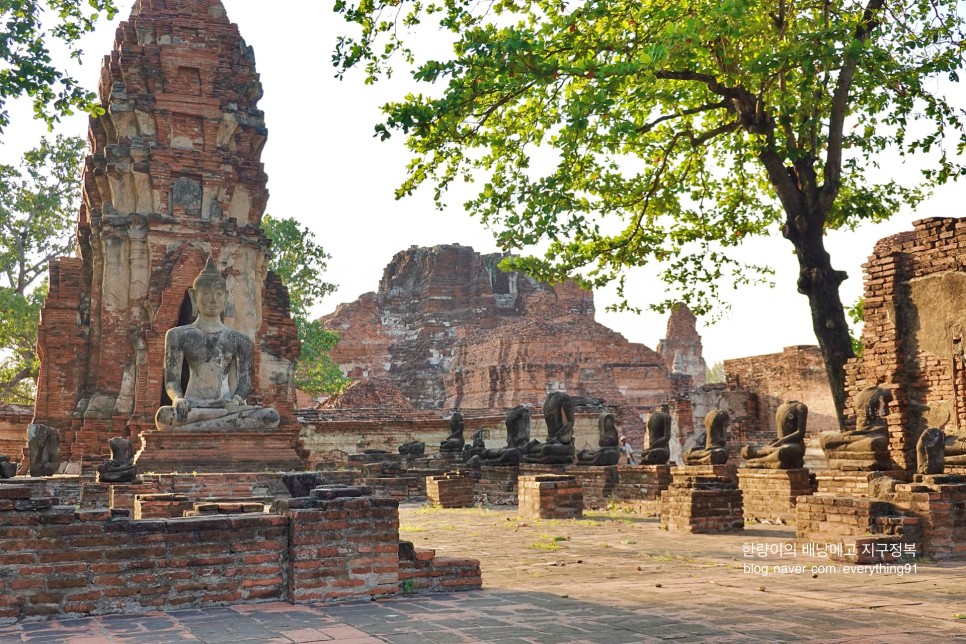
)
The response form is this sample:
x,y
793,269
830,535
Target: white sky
x,y
326,170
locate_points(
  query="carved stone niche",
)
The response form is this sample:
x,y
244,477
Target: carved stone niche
x,y
186,197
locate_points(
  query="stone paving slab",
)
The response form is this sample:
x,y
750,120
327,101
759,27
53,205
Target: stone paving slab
x,y
608,579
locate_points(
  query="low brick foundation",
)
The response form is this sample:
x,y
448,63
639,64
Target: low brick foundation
x,y
857,529
702,499
161,506
450,490
854,483
550,496
58,560
770,496
421,570
640,487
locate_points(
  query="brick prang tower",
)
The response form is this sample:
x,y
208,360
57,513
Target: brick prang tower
x,y
174,174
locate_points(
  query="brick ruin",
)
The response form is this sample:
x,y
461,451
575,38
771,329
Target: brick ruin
x,y
450,329
681,349
915,298
174,174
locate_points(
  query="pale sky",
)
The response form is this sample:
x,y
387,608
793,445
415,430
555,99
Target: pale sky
x,y
326,170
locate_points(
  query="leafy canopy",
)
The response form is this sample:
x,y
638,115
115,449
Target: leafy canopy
x,y
622,133
39,199
26,64
300,262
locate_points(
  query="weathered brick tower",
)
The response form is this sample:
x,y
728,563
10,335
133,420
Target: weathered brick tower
x,y
174,174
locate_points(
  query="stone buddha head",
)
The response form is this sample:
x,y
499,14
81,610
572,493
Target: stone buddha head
x,y
209,292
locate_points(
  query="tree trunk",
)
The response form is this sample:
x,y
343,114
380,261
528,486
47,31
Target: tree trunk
x,y
820,283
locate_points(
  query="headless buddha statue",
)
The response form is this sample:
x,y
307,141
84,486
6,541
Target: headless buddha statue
x,y
787,451
658,450
867,446
608,452
715,451
558,412
219,367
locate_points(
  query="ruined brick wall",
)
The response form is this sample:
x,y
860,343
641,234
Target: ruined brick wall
x,y
58,560
797,373
915,313
174,174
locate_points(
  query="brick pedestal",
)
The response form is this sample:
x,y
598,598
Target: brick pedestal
x,y
858,529
219,450
550,496
939,502
702,499
498,484
343,546
450,490
769,496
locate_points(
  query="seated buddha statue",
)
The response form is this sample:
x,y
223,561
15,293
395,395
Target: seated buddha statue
x,y
867,446
715,450
608,449
517,439
219,363
658,450
455,441
558,412
787,451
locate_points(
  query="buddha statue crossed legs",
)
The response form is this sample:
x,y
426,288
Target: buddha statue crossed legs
x,y
219,367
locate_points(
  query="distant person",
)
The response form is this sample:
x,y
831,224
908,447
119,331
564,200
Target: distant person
x,y
628,451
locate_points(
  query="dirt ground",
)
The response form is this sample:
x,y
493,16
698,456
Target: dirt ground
x,y
621,559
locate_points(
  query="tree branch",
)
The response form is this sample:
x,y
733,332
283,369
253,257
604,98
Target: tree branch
x,y
644,129
839,108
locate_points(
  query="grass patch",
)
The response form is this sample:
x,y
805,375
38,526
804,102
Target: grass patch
x,y
667,557
412,528
549,546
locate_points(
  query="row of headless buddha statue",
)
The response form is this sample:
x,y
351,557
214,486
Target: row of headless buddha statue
x,y
558,412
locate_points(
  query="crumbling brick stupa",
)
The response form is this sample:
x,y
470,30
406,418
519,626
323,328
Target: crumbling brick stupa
x,y
452,330
913,338
174,175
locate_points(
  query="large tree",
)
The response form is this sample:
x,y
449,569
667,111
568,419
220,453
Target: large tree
x,y
621,133
39,199
27,68
300,262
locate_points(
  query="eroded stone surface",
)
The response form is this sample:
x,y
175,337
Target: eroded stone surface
x,y
450,329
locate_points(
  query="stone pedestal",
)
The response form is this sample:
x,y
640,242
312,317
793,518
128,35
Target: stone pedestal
x,y
450,490
770,496
857,529
226,450
702,499
550,496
